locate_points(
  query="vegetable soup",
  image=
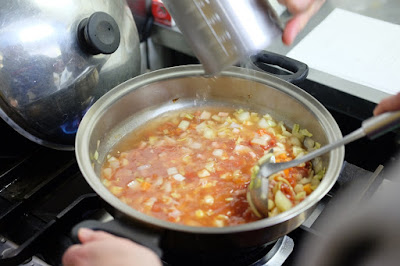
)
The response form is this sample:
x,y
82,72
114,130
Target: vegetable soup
x,y
193,167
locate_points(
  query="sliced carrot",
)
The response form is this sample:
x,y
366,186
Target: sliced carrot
x,y
307,189
145,185
286,172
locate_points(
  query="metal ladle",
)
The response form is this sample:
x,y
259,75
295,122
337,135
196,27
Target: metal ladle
x,y
257,191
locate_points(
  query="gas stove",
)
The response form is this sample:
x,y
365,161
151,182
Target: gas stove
x,y
43,194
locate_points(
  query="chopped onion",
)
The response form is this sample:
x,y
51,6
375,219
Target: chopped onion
x,y
107,173
235,130
262,140
216,118
205,115
184,125
167,186
234,125
203,173
223,114
309,143
263,123
201,127
209,133
172,171
317,164
244,116
143,167
178,177
210,166
150,202
195,145
218,152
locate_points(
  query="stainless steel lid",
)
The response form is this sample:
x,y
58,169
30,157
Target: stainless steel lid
x,y
57,58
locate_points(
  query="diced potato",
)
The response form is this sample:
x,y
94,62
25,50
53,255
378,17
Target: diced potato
x,y
205,115
203,173
282,202
107,173
271,204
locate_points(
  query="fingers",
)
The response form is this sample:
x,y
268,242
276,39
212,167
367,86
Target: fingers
x,y
75,255
297,6
302,12
391,103
87,235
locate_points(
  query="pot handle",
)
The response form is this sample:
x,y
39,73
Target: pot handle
x,y
264,59
145,237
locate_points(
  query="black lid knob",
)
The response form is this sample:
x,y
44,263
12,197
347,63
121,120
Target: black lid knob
x,y
99,34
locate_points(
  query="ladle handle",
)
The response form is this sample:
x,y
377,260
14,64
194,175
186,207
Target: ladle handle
x,y
379,125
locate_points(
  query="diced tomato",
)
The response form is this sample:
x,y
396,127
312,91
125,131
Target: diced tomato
x,y
287,191
262,131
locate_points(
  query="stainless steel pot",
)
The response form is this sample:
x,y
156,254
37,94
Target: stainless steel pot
x,y
140,99
57,58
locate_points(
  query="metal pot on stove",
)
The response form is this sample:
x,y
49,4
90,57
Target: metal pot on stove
x,y
129,105
57,59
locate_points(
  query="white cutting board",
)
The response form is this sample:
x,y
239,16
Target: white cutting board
x,y
356,48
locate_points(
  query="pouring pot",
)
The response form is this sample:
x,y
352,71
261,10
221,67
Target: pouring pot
x,y
145,97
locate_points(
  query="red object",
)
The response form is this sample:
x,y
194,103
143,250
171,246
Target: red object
x,y
160,13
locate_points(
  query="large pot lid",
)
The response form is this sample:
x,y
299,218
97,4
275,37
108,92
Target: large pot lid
x,y
57,59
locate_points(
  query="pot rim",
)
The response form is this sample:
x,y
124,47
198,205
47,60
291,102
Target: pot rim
x,y
91,118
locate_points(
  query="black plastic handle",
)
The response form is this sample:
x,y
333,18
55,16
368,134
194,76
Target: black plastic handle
x,y
99,34
145,237
263,61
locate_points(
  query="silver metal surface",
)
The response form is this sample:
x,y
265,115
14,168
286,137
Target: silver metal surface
x,y
223,32
47,82
285,247
258,188
133,103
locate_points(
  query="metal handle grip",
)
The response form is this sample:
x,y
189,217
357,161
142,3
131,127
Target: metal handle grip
x,y
379,125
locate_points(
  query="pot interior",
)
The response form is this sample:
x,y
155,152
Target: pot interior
x,y
141,99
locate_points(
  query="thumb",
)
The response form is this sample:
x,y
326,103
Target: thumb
x,y
87,235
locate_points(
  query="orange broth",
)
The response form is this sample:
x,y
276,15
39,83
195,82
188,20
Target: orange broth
x,y
193,167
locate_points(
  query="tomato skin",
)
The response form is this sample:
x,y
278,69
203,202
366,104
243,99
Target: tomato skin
x,y
287,191
292,180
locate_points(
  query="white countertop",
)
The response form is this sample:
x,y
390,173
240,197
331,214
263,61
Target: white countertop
x,y
366,59
370,83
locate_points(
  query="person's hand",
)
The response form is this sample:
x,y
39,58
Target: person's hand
x,y
302,11
99,248
391,103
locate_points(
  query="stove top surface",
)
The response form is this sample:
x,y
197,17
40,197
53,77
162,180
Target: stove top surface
x,y
43,194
